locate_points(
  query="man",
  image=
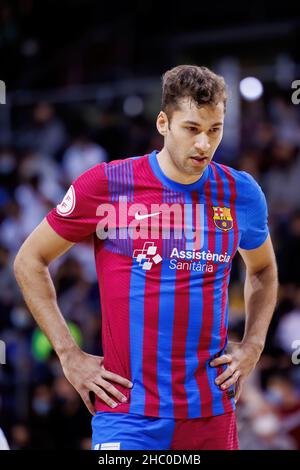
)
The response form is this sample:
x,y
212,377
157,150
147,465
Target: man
x,y
166,227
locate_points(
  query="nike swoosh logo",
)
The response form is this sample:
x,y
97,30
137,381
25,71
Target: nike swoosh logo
x,y
138,216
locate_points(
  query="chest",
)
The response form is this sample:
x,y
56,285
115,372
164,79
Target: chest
x,y
168,224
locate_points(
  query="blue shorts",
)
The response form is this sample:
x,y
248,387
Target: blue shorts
x,y
128,431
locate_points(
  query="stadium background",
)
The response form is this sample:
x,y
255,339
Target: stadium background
x,y
83,86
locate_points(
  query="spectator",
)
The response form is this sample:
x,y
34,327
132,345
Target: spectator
x,y
46,133
81,155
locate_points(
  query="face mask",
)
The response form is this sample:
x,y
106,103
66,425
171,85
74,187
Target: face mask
x,y
20,317
40,406
275,397
265,425
7,163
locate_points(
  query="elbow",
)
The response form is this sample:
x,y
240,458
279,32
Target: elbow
x,y
19,264
269,270
27,262
271,279
265,276
273,272
270,274
23,263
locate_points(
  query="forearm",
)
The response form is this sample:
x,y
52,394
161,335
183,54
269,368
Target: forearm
x,y
34,279
260,294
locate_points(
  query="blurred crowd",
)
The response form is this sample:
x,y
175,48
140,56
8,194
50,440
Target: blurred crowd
x,y
39,409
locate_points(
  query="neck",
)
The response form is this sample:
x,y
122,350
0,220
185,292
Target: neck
x,y
172,171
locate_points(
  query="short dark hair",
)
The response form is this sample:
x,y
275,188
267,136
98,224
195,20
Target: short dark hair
x,y
191,81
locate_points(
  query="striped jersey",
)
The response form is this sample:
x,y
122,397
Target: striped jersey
x,y
163,254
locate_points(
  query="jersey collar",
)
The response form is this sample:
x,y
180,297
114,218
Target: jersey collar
x,y
159,174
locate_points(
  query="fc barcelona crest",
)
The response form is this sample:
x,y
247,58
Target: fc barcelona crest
x,y
222,218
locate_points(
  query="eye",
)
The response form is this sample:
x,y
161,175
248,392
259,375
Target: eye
x,y
192,128
215,129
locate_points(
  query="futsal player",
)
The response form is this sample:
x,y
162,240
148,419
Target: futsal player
x,y
166,227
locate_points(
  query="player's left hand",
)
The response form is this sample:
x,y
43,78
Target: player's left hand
x,y
241,359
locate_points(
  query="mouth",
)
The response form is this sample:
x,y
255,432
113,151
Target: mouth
x,y
199,159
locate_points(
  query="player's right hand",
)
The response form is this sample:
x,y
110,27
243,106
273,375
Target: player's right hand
x,y
87,374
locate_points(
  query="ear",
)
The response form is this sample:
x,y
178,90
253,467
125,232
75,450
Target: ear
x,y
162,123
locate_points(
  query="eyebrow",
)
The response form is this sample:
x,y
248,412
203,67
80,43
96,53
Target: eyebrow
x,y
194,123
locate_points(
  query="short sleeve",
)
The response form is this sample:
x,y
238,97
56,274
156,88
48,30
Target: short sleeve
x,y
74,219
256,227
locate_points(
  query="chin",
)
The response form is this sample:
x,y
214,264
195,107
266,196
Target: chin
x,y
198,169
195,171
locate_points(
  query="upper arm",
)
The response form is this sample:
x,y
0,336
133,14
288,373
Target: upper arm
x,y
72,221
255,230
259,258
43,244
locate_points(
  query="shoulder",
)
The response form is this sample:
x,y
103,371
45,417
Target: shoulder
x,y
126,163
122,172
101,172
90,180
247,187
110,179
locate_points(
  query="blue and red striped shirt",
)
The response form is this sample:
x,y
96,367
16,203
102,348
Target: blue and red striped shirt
x,y
163,279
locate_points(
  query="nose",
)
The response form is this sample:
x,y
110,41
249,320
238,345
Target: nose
x,y
202,143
